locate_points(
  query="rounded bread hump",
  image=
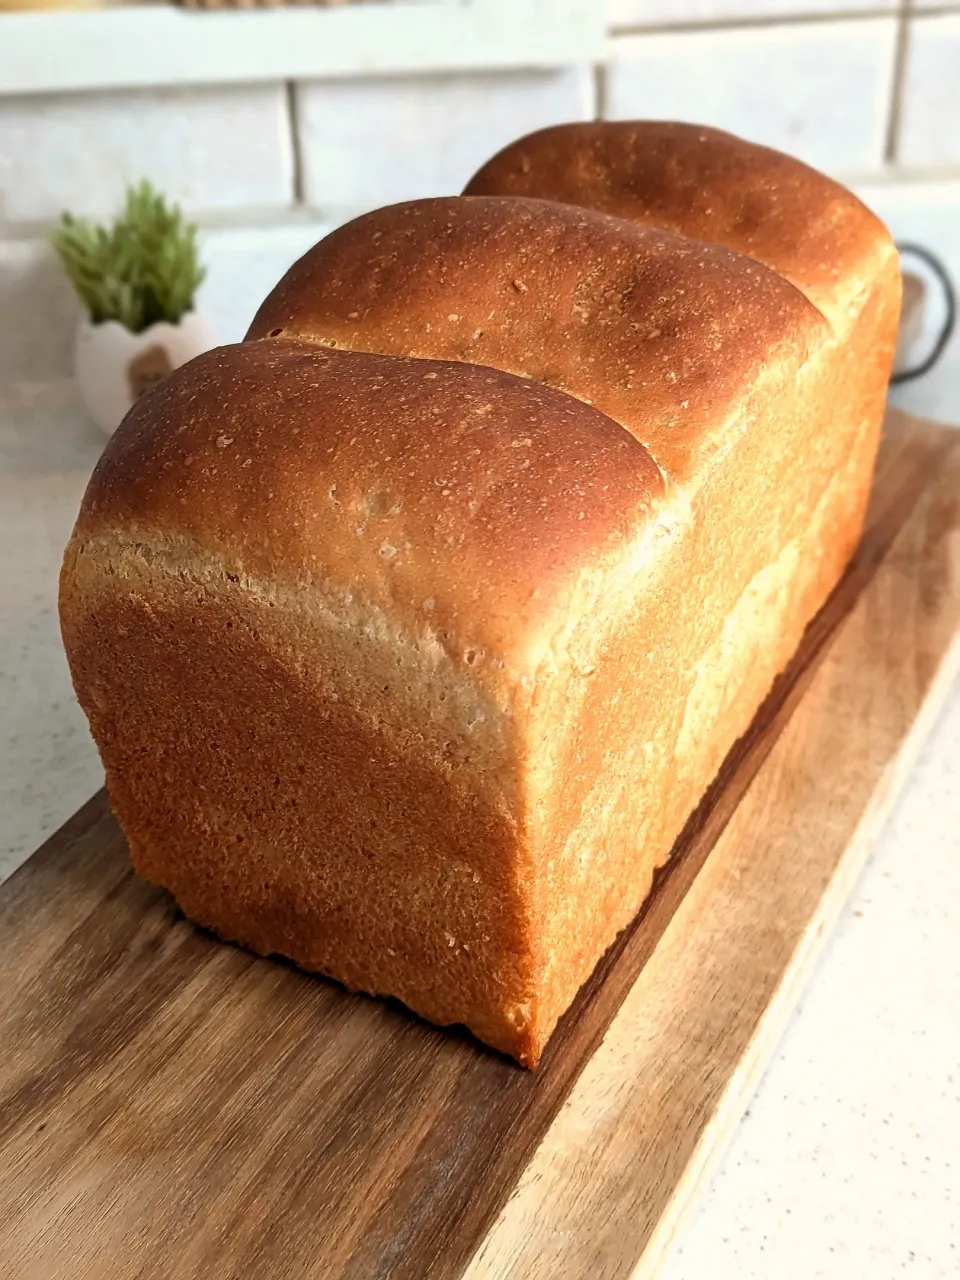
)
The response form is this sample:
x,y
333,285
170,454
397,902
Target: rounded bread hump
x,y
432,484
669,336
705,183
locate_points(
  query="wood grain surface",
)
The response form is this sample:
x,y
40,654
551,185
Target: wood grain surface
x,y
173,1106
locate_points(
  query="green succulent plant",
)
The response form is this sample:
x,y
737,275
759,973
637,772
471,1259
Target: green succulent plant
x,y
143,269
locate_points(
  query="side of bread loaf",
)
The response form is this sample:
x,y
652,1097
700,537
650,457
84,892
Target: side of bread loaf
x,y
707,184
412,629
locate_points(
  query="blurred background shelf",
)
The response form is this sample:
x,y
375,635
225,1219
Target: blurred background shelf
x,y
49,51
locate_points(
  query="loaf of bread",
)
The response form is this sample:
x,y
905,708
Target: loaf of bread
x,y
412,628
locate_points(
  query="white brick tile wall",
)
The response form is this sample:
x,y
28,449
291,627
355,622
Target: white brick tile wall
x,y
243,265
930,111
209,148
370,142
820,91
38,313
641,13
926,213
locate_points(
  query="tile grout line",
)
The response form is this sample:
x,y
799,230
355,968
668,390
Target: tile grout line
x,y
892,144
266,219
600,91
753,23
296,150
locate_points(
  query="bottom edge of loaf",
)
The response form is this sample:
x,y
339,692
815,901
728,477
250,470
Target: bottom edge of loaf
x,y
524,1044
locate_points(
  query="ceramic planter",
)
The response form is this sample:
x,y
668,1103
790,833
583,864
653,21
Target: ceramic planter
x,y
114,366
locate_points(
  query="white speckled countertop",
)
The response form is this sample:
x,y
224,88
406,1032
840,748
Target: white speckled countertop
x,y
48,765
847,1166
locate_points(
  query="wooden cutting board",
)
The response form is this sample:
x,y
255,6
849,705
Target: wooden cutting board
x,y
173,1106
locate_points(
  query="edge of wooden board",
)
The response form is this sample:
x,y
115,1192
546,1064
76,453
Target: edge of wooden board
x,y
640,1215
744,1082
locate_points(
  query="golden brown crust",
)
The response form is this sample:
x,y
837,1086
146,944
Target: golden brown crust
x,y
262,777
338,470
294,565
666,335
708,184
411,669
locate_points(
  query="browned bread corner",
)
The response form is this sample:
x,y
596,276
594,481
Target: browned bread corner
x,y
411,629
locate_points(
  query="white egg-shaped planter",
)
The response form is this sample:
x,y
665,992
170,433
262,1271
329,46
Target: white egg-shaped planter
x,y
114,366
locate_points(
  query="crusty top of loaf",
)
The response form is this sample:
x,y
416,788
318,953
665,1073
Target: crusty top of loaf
x,y
669,336
429,486
477,510
708,184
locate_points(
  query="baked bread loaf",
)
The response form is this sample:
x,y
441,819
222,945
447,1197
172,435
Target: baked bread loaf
x,y
412,628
